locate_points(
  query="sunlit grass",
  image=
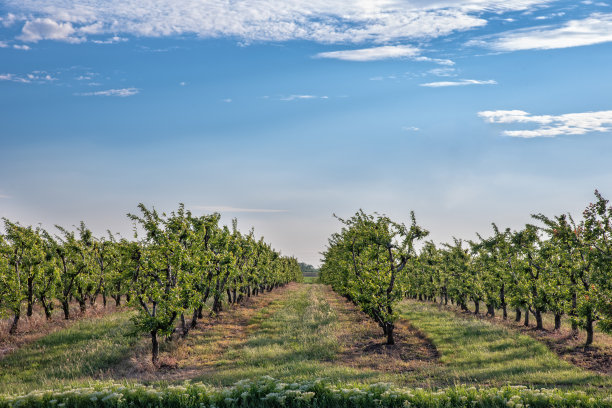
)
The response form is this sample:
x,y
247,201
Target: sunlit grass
x,y
79,353
477,351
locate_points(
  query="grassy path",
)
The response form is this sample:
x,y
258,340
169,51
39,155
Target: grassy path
x,y
477,351
293,338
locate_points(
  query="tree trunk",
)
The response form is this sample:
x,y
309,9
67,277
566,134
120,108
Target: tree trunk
x,y
518,315
557,321
538,316
66,309
589,329
184,327
30,296
194,318
117,300
476,307
154,349
502,298
390,339
491,310
13,328
104,299
82,306
526,324
46,307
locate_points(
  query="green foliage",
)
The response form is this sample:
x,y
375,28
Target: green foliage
x,y
267,392
366,262
562,266
178,263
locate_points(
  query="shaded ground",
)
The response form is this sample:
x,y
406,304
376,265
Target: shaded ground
x,y
363,343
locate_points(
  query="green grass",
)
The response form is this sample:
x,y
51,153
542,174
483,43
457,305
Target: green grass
x,y
477,351
72,356
311,279
295,340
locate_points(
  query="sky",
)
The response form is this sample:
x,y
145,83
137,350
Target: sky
x,y
282,114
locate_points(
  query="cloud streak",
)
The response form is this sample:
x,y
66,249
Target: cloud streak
x,y
461,82
595,29
551,125
122,92
372,54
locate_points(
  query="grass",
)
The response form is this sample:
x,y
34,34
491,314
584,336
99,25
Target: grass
x,y
311,279
299,333
477,351
295,339
71,356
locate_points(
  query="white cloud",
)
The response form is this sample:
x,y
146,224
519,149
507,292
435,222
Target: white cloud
x,y
436,60
4,196
13,78
223,208
300,97
410,128
595,29
442,72
227,100
382,53
3,44
551,125
48,29
34,76
123,92
461,82
372,54
326,21
8,20
22,47
112,40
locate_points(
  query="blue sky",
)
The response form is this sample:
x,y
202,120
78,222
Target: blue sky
x,y
281,113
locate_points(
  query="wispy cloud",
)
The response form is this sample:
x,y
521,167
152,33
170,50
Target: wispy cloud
x,y
112,40
4,196
332,21
410,128
34,76
461,82
22,47
301,97
372,54
224,208
595,29
551,125
122,92
443,72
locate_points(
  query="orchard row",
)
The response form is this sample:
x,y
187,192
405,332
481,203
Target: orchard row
x,y
558,265
178,266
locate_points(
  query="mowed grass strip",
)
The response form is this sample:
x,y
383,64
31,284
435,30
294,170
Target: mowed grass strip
x,y
293,339
71,356
477,351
